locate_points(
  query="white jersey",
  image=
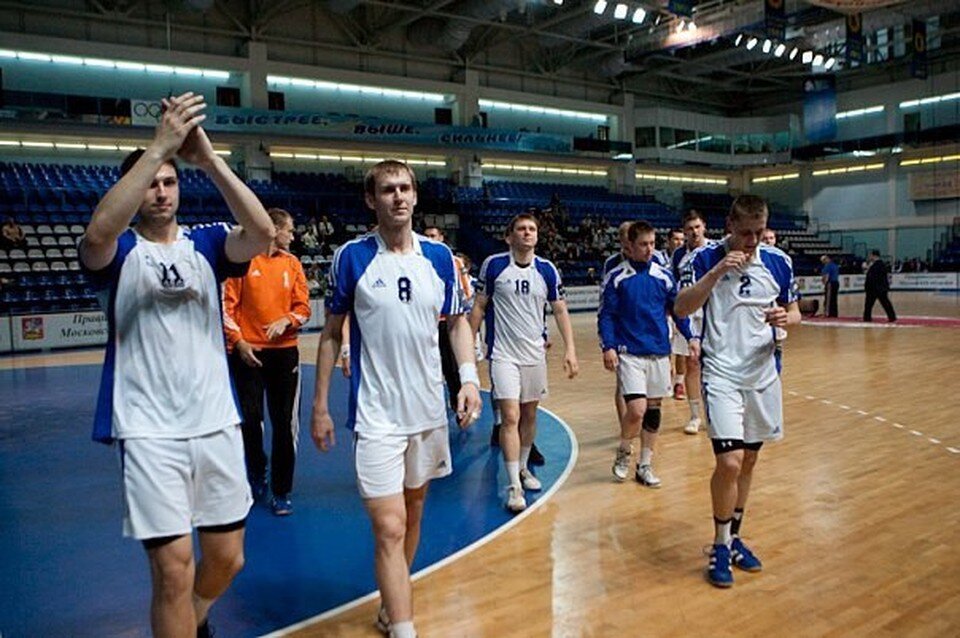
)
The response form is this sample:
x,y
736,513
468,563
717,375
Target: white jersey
x,y
395,301
516,301
738,344
165,372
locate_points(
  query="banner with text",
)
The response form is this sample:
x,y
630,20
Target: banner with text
x,y
369,129
935,185
39,332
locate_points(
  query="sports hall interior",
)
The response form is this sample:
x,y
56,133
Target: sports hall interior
x,y
844,115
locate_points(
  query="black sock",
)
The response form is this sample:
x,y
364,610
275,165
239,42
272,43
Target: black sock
x,y
737,519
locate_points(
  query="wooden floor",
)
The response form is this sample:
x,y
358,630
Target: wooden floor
x,y
855,514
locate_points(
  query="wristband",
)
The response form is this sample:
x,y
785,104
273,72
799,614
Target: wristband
x,y
468,374
344,352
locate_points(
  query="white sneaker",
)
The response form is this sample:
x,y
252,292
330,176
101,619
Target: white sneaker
x,y
621,466
529,481
645,476
515,501
692,427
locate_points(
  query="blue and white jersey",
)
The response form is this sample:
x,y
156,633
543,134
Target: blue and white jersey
x,y
516,299
738,344
395,301
165,369
633,310
680,256
613,261
661,259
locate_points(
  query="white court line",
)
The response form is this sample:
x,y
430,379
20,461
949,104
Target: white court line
x,y
881,419
791,393
477,544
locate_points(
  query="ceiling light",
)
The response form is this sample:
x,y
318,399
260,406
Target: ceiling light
x,y
830,63
752,42
692,26
600,7
681,25
794,52
818,60
557,1
739,39
639,15
780,49
767,45
807,57
620,12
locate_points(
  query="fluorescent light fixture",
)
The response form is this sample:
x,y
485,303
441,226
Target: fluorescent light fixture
x,y
189,71
739,39
36,57
639,15
681,25
767,45
600,7
9,143
216,75
558,2
102,147
779,51
97,62
830,63
7,53
692,26
620,12
818,60
222,153
26,144
794,52
131,66
807,57
71,145
66,59
752,42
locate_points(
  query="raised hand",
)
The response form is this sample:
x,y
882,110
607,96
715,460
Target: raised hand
x,y
182,114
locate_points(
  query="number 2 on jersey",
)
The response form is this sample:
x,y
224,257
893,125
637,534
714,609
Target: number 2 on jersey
x,y
745,285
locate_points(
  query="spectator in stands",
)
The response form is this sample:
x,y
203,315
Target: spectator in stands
x,y
262,314
877,285
769,237
315,282
11,235
309,240
325,229
830,275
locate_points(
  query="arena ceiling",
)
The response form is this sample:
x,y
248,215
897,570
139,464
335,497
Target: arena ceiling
x,y
541,46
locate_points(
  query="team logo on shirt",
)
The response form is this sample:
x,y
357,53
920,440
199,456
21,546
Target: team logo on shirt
x,y
379,283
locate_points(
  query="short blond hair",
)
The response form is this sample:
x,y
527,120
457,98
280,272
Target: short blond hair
x,y
748,207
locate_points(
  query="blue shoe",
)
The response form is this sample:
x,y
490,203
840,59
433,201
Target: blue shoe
x,y
281,505
719,573
743,558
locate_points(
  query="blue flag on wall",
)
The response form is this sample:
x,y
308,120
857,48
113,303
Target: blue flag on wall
x,y
819,108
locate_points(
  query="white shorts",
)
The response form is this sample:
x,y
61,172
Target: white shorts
x,y
678,343
649,376
750,416
388,464
171,486
519,383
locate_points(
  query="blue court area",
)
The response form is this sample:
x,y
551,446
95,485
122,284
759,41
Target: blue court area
x,y
65,570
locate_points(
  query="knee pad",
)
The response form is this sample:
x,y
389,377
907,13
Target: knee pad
x,y
651,420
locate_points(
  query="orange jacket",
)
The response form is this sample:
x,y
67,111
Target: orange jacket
x,y
273,287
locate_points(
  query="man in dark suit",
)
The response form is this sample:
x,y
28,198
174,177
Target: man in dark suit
x,y
877,286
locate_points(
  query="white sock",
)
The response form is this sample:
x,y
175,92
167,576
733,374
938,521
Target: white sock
x,y
694,408
677,379
723,536
201,607
525,456
646,456
513,471
403,630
